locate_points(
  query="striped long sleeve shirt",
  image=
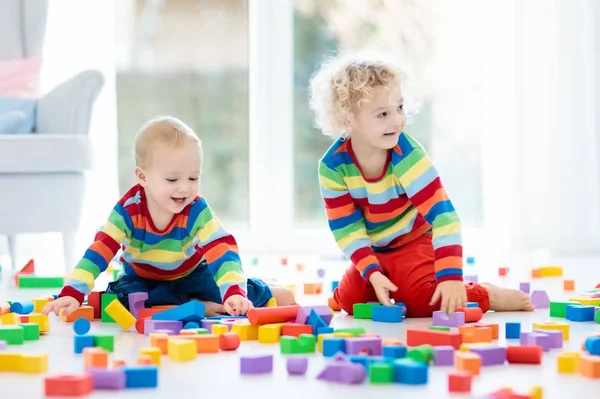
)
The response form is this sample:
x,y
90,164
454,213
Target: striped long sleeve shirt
x,y
408,200
149,253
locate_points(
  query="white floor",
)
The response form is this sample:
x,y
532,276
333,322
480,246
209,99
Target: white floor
x,y
212,375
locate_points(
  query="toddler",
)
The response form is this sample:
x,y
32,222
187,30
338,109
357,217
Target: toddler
x,y
174,247
385,202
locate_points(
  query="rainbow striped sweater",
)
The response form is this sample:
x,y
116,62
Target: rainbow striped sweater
x,y
149,253
408,200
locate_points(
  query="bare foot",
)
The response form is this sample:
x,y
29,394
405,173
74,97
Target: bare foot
x,y
283,296
212,308
507,299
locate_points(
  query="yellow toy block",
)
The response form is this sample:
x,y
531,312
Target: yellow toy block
x,y
182,350
272,303
219,329
551,325
320,339
40,319
551,271
10,318
10,361
154,353
241,329
586,301
568,362
536,392
38,304
466,347
269,333
34,363
343,335
120,314
291,287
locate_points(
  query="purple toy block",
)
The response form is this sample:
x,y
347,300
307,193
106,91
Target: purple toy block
x,y
540,299
151,326
256,364
164,331
297,365
2,345
137,301
540,339
323,311
340,369
491,356
208,324
525,287
227,323
556,337
443,355
524,338
107,379
472,278
373,346
441,319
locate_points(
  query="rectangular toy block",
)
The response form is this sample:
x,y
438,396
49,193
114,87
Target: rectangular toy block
x,y
472,304
208,343
269,333
83,312
256,364
502,271
306,343
323,311
407,371
493,326
279,314
387,314
95,358
555,338
271,303
69,385
394,351
10,319
440,318
153,352
10,361
550,325
31,331
315,321
569,285
182,350
93,300
559,309
443,355
12,334
416,337
141,376
190,311
34,363
325,330
334,285
40,319
355,331
313,288
105,300
459,381
160,341
33,281
355,346
332,345
80,342
491,356
106,342
381,373
525,354
120,315
107,379
513,330
471,334
551,271
363,310
467,361
295,330
578,312
586,301
536,273
219,329
333,305
145,313
589,366
438,328
568,362
151,326
243,330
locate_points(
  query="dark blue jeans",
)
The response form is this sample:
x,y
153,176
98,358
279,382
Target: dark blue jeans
x,y
200,284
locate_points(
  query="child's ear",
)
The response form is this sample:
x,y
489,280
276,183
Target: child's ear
x,y
140,175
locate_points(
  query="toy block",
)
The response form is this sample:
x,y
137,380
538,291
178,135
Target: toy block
x,y
536,273
394,351
513,330
83,312
107,379
551,271
321,338
467,361
306,343
21,307
363,360
271,303
559,309
438,328
381,373
193,331
440,318
443,355
191,325
471,314
3,345
182,350
120,363
407,371
297,365
279,314
363,310
208,324
159,341
340,369
332,345
81,326
589,366
371,345
106,342
540,339
10,319
471,334
31,331
472,304
151,326
106,300
334,285
95,358
490,355
586,301
256,364
525,287
316,322
229,341
24,318
80,342
323,311
11,362
550,325
94,301
540,299
241,329
68,385
555,338
569,285
580,313
502,271
325,330
295,330
416,337
592,345
526,354
140,376
144,360
459,381
568,362
154,353
4,308
493,326
34,363
190,311
33,281
313,288
421,353
219,329
388,314
355,331
207,343
12,334
269,333
164,307
29,268
333,305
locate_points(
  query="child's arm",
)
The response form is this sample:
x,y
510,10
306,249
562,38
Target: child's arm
x,y
347,222
424,188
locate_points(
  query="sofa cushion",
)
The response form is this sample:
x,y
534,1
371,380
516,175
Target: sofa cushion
x,y
45,153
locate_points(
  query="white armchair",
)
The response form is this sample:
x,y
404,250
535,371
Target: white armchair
x,y
43,175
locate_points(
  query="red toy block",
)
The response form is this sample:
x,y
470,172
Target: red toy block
x,y
459,381
69,385
229,341
24,318
416,337
279,314
93,300
29,268
502,271
295,330
471,314
526,354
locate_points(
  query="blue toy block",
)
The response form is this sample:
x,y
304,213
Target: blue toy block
x,y
81,326
333,345
334,285
325,330
21,307
592,345
513,330
225,316
394,351
388,314
379,359
191,324
191,311
141,376
407,371
470,260
315,321
472,304
55,296
580,313
83,341
359,359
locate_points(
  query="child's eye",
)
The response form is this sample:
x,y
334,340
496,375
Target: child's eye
x,y
382,115
172,180
193,178
400,107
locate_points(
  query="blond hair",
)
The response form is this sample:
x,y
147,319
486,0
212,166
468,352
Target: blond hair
x,y
346,81
162,130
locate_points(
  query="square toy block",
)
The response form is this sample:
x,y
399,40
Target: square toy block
x,y
93,300
31,331
141,376
559,309
381,373
323,311
182,350
440,318
34,363
105,300
40,319
137,301
551,271
589,366
306,343
12,334
106,342
120,315
513,330
190,311
580,313
160,341
550,325
33,281
363,310
569,285
555,336
219,329
443,355
459,381
11,362
107,379
10,319
491,356
313,288
421,353
540,299
154,353
467,361
568,362
394,351
242,329
68,385
371,345
388,314
407,371
83,312
416,337
525,287
295,330
502,271
269,333
256,364
80,342
95,358
333,345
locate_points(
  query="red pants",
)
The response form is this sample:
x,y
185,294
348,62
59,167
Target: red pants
x,y
411,269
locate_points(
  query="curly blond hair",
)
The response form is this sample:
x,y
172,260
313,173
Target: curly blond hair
x,y
345,81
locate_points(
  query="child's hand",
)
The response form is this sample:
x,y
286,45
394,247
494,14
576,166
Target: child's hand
x,y
237,305
67,302
382,286
453,293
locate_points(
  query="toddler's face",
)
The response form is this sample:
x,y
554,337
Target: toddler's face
x,y
379,122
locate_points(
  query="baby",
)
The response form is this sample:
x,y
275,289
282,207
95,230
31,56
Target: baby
x,y
174,247
385,202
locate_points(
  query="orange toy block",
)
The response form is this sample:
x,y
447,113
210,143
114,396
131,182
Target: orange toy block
x,y
163,307
118,363
536,273
153,353
416,337
589,366
569,285
471,314
4,308
313,288
472,334
205,343
526,354
159,340
295,330
333,305
144,360
493,326
467,361
460,381
229,341
95,358
279,314
69,385
83,312
269,333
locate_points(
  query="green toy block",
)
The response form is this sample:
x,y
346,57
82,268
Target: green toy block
x,y
116,274
381,373
597,316
106,342
559,309
422,354
105,300
12,334
354,330
31,331
363,310
439,328
33,281
306,343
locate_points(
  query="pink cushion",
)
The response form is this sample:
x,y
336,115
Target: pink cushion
x,y
20,78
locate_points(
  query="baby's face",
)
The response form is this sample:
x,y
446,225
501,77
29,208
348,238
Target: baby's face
x,y
173,176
